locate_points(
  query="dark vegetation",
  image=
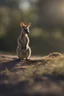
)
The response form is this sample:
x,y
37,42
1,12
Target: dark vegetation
x,y
47,30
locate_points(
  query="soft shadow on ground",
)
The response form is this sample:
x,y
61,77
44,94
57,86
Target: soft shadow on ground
x,y
9,64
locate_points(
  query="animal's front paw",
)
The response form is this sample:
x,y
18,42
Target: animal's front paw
x,y
27,59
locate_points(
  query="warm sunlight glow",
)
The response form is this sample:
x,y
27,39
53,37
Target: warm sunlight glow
x,y
24,5
62,8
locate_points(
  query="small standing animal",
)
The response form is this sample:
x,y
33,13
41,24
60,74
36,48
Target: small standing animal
x,y
23,49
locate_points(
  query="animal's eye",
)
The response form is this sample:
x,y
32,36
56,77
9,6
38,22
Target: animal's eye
x,y
25,29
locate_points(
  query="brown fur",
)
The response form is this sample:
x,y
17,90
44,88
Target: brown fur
x,y
23,49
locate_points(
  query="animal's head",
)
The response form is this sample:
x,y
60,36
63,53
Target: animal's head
x,y
25,28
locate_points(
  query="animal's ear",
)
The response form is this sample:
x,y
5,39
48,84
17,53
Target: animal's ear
x,y
22,24
29,24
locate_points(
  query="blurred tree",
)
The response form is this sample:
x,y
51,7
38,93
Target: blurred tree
x,y
10,3
51,14
45,35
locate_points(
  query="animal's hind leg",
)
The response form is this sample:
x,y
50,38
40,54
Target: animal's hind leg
x,y
20,54
28,53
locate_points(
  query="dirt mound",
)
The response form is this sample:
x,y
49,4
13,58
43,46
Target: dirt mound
x,y
55,54
42,76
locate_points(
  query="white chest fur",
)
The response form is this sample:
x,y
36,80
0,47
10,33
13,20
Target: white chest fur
x,y
23,42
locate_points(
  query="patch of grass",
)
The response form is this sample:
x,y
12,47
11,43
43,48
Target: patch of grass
x,y
5,72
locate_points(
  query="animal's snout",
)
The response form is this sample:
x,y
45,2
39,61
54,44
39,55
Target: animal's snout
x,y
26,31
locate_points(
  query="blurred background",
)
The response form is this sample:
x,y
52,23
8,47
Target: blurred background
x,y
47,25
